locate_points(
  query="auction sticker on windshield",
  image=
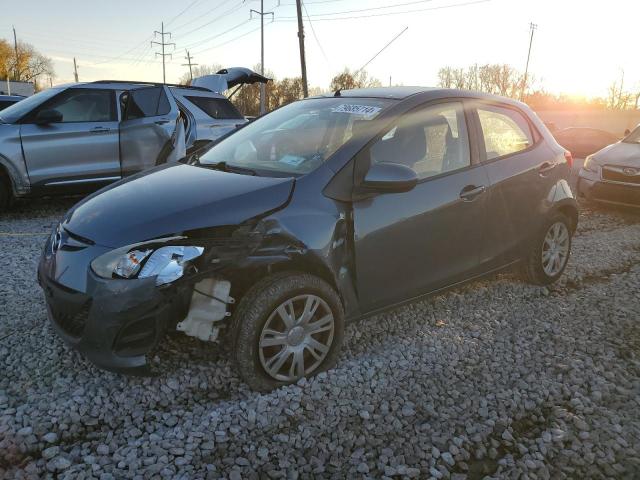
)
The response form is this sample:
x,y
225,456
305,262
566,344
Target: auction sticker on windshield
x,y
366,110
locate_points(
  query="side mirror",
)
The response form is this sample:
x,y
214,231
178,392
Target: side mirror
x,y
47,116
390,178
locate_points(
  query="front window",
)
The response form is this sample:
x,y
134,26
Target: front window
x,y
431,141
18,110
633,137
295,139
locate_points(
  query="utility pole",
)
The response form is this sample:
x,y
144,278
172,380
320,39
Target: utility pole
x,y
532,27
189,58
75,69
15,47
162,44
303,62
263,90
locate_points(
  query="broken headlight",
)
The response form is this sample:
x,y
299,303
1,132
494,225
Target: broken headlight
x,y
165,263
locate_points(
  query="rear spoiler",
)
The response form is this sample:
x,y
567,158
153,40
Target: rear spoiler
x,y
228,78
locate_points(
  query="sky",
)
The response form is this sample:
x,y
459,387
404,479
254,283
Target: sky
x,y
579,48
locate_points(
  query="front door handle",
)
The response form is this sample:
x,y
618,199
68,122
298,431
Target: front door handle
x,y
470,192
545,168
99,130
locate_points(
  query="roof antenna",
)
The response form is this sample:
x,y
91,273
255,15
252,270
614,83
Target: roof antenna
x,y
337,94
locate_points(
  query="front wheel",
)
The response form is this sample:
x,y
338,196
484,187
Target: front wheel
x,y
549,252
286,327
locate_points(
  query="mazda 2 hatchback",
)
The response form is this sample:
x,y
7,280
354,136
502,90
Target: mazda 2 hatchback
x,y
324,211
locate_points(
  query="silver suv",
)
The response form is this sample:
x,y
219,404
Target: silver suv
x,y
80,137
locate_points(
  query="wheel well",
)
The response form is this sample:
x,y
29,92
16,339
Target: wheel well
x,y
242,281
571,213
5,179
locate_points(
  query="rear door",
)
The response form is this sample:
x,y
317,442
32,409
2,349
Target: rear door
x,y
521,172
79,152
150,129
410,243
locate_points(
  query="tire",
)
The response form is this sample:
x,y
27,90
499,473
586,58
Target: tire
x,y
252,352
534,267
5,193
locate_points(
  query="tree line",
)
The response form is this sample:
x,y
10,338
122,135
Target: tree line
x,y
24,64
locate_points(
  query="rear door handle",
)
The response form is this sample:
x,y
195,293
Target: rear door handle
x,y
162,121
470,192
546,167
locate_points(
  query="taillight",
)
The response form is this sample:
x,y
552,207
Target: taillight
x,y
569,158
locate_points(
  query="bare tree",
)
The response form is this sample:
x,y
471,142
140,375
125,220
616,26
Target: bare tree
x,y
200,71
346,80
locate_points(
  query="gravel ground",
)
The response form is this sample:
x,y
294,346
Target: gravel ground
x,y
496,379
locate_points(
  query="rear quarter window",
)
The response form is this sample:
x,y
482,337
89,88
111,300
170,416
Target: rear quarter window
x,y
218,108
505,131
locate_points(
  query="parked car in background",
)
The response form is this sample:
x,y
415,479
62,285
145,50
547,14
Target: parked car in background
x,y
8,100
80,137
582,141
323,211
612,175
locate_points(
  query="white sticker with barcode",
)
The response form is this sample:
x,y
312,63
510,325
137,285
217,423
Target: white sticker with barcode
x,y
365,110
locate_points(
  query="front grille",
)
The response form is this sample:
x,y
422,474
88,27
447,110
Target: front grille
x,y
617,174
72,324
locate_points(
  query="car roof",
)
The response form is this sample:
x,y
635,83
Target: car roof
x,y
127,85
429,93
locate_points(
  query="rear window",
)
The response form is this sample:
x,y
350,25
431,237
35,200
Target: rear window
x,y
218,108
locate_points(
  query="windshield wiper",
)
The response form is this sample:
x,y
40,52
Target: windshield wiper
x,y
225,167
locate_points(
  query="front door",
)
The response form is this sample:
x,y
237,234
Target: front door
x,y
78,152
150,128
410,243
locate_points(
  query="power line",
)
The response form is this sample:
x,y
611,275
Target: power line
x,y
217,35
213,47
313,30
217,19
368,9
199,17
441,7
183,11
163,44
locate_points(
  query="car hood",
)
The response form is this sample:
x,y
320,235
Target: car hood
x,y
173,200
621,154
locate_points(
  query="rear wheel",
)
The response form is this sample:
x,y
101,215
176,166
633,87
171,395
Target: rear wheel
x,y
286,327
549,252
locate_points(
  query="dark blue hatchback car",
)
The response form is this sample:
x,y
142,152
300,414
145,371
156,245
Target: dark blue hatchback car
x,y
326,210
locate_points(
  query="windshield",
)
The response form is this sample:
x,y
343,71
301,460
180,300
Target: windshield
x,y
633,137
18,110
295,139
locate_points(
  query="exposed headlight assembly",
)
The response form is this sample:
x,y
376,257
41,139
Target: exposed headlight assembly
x,y
166,263
589,165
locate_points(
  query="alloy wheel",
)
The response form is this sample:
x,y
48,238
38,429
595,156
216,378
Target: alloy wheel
x,y
555,249
296,337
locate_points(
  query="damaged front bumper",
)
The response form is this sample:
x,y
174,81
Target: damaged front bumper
x,y
113,323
